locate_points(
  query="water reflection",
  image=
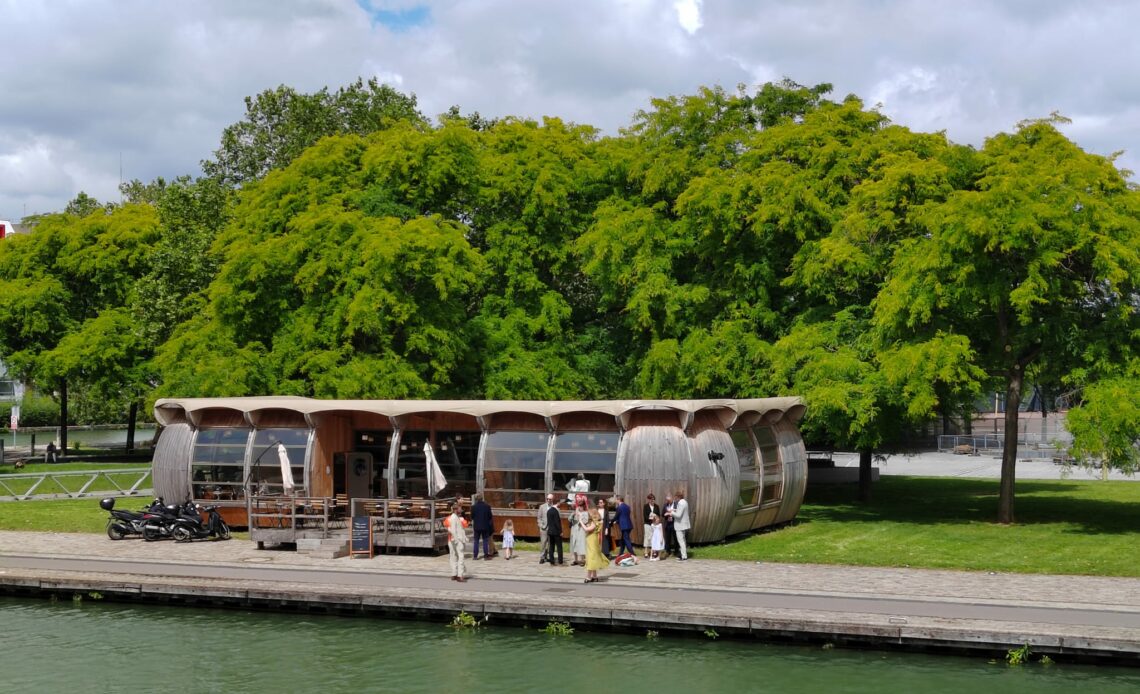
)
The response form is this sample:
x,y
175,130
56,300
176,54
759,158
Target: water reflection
x,y
94,646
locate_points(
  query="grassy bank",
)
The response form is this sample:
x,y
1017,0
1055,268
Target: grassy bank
x,y
1063,527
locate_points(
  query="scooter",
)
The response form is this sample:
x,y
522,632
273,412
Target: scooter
x,y
122,523
190,527
160,519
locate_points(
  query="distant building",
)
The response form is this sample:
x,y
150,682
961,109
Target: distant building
x,y
7,229
8,387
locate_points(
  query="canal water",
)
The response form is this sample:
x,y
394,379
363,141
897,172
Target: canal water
x,y
90,646
88,437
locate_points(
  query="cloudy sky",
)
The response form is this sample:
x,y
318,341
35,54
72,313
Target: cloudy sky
x,y
87,86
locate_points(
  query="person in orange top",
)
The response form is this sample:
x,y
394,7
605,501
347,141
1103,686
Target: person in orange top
x,y
457,543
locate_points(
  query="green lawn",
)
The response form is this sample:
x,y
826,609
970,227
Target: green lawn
x,y
1063,527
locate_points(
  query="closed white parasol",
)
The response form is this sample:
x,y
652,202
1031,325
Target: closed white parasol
x,y
286,468
435,479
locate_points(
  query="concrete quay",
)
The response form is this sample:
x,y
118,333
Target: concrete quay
x,y
1076,617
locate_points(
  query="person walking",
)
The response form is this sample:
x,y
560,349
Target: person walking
x,y
648,510
554,532
595,560
670,531
508,539
623,516
681,523
457,543
484,522
544,539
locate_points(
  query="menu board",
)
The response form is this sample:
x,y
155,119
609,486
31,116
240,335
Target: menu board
x,y
361,537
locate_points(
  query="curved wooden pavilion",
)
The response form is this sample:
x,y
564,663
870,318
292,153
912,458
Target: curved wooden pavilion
x,y
741,463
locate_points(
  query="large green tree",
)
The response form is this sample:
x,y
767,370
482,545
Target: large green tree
x,y
64,321
281,123
1036,263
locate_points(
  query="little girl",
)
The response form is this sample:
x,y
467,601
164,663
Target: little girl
x,y
657,543
509,538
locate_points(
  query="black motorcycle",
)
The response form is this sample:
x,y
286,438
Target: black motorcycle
x,y
123,523
160,519
190,527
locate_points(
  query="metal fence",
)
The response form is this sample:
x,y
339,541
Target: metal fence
x,y
979,443
75,484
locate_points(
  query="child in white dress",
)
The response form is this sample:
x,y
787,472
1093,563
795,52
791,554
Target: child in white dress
x,y
657,542
509,538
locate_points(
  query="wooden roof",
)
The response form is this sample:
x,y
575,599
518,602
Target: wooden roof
x,y
174,410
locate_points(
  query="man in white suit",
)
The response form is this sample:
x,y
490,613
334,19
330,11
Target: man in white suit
x,y
681,522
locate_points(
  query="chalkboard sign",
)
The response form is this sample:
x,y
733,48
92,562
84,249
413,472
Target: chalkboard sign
x,y
361,536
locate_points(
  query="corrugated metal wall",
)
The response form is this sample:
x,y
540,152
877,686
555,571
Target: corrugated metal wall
x,y
654,455
793,456
714,486
171,465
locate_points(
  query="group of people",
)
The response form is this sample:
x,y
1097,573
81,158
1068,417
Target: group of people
x,y
591,543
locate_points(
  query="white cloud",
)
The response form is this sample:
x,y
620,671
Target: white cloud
x,y
156,81
688,14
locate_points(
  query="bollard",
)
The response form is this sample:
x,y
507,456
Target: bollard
x,y
33,446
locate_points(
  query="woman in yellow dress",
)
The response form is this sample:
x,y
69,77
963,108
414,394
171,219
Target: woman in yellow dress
x,y
594,558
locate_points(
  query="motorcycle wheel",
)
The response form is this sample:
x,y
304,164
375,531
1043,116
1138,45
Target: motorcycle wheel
x,y
181,533
115,531
224,531
150,534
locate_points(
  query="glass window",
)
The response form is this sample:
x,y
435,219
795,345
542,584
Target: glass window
x,y
379,444
514,468
592,453
217,463
745,449
411,465
265,466
749,493
458,456
773,471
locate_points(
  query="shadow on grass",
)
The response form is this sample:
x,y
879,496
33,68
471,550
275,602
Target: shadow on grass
x,y
940,500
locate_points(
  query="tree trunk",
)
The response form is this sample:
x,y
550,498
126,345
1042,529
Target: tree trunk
x,y
63,416
132,417
1009,445
865,475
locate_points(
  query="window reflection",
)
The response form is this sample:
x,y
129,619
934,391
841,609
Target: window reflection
x,y
217,463
514,468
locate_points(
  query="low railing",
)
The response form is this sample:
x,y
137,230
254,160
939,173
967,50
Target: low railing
x,y
74,484
995,442
405,522
296,516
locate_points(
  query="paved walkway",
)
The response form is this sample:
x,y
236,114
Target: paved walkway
x,y
898,606
935,464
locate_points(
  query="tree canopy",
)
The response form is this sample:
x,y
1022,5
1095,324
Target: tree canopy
x,y
724,244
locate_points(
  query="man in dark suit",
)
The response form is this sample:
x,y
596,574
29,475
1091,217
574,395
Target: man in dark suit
x,y
554,534
483,522
624,519
670,531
